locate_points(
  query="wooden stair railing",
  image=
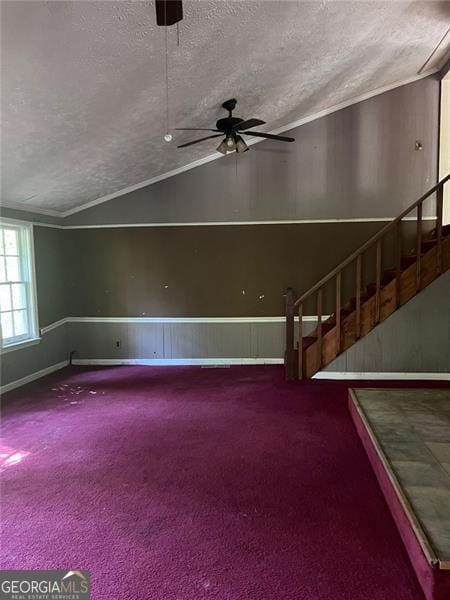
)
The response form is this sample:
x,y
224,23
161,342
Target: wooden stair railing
x,y
372,303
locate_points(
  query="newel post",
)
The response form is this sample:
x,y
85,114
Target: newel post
x,y
289,357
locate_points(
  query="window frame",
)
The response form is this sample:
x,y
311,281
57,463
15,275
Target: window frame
x,y
27,259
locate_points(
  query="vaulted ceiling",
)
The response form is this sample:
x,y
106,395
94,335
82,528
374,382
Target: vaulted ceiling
x,y
83,83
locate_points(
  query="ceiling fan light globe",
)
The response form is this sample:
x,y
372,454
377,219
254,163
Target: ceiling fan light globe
x,y
222,147
230,143
241,146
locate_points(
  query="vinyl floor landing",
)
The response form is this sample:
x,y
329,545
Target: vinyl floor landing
x,y
412,430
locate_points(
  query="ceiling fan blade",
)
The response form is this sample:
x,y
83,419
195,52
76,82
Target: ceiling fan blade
x,y
208,137
269,136
194,129
248,124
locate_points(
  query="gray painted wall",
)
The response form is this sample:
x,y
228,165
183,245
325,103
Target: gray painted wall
x,y
358,162
415,339
177,340
240,270
51,272
51,350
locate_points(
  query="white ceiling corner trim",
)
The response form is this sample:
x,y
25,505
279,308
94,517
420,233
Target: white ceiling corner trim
x,y
47,212
217,155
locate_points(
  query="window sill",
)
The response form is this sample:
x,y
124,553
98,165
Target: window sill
x,y
20,345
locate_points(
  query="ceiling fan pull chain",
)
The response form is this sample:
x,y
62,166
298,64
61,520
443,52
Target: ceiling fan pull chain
x,y
168,135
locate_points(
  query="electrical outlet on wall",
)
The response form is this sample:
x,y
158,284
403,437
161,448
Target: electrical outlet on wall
x,y
118,343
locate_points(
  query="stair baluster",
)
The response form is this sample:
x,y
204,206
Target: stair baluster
x,y
377,281
319,324
300,340
439,211
358,296
419,246
290,335
398,262
338,312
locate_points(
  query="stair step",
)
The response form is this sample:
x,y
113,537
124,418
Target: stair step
x,y
331,321
307,341
428,244
445,231
387,276
409,260
372,287
327,326
352,302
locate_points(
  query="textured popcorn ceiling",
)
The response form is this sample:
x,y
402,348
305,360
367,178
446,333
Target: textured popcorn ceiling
x,y
83,87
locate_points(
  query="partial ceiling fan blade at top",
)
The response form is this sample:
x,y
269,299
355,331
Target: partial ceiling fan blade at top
x,y
269,136
168,12
248,124
208,137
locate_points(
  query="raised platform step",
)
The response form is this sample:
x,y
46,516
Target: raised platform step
x,y
406,436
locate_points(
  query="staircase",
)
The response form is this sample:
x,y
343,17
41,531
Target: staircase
x,y
393,277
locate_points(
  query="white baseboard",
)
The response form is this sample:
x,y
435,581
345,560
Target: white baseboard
x,y
249,361
37,375
219,362
386,376
177,361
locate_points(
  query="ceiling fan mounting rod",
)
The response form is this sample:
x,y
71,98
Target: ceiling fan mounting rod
x,y
230,105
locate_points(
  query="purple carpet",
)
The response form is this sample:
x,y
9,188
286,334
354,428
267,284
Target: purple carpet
x,y
187,483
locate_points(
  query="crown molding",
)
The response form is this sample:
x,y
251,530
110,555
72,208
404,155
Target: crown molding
x,y
214,223
441,48
48,212
292,125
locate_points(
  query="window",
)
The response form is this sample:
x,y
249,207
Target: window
x,y
18,315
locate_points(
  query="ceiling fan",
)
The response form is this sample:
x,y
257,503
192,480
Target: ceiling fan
x,y
232,127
